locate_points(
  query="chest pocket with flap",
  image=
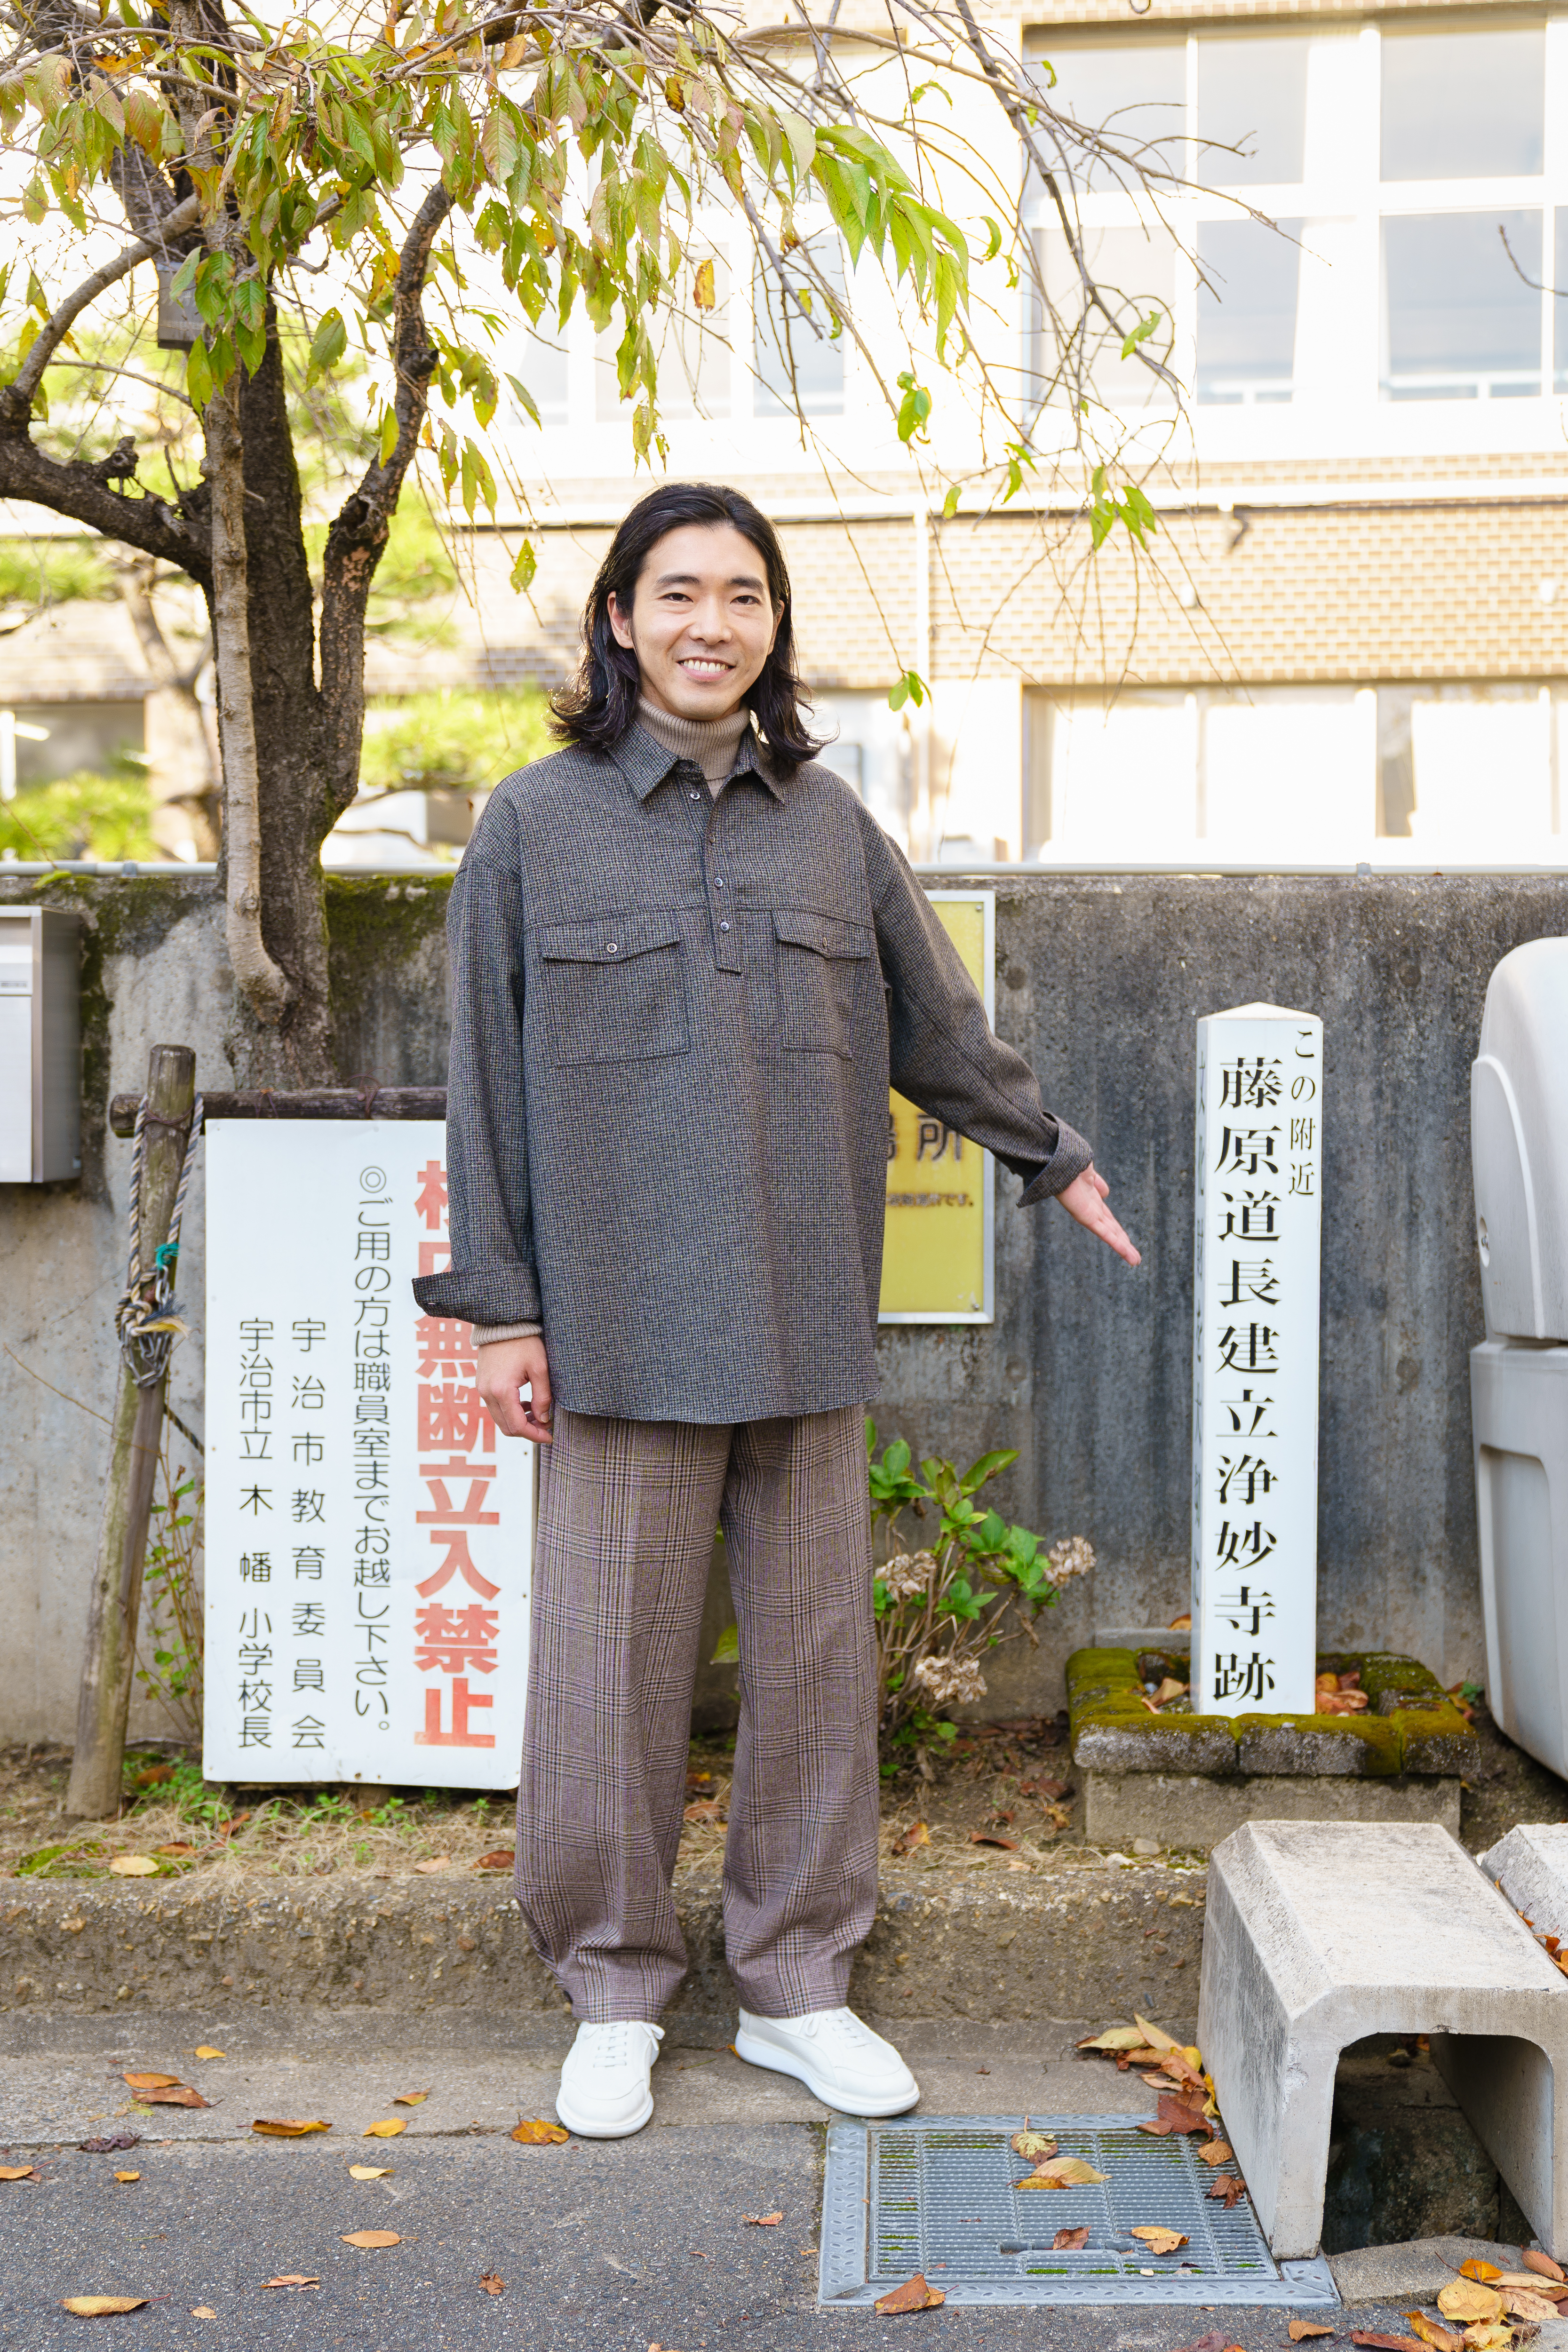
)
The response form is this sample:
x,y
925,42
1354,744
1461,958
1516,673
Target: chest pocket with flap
x,y
615,990
822,961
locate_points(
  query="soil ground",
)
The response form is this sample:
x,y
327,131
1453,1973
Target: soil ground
x,y
1001,1797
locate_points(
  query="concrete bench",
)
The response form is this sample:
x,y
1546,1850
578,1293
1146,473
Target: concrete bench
x,y
1530,1866
1320,1933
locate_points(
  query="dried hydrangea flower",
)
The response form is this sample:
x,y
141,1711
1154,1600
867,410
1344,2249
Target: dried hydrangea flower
x,y
908,1573
948,1680
1074,1555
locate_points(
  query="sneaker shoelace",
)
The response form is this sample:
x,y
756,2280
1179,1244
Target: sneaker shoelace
x,y
610,2044
840,2025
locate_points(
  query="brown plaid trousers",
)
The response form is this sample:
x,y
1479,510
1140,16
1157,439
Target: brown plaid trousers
x,y
627,1510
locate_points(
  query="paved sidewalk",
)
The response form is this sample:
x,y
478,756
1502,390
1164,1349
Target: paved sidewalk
x,y
603,2247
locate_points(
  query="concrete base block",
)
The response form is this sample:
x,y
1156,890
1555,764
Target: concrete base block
x,y
1191,1811
1530,1866
1320,1933
1414,2270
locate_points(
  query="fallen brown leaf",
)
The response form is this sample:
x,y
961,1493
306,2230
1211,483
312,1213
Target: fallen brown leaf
x,y
179,2094
1443,2339
154,1774
1538,2282
538,2133
371,2238
292,2278
1175,2115
437,1862
1067,2242
17,2172
1155,2035
112,2145
149,2082
388,2129
175,1846
1218,2151
1343,1702
205,2050
1228,2190
132,1866
917,1834
1213,2342
1034,2146
493,2284
98,2307
1061,2172
409,2098
369,2171
762,2220
128,2176
502,1858
914,2294
704,1809
989,1837
203,2311
1115,2037
1170,1688
1522,2303
1158,2240
1469,2300
1385,2342
1542,2264
1300,2329
1496,2334
1483,2272
285,2129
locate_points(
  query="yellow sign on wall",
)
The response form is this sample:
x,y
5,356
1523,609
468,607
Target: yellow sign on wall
x,y
937,1262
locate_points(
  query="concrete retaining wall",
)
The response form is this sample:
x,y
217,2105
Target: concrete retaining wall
x,y
1099,980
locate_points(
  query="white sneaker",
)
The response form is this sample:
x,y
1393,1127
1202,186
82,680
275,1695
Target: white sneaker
x,y
842,2061
605,2091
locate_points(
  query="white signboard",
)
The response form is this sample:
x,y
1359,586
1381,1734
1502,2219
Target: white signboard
x,y
1254,1361
369,1533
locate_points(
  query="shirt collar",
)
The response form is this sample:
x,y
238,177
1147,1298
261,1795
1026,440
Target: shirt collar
x,y
645,762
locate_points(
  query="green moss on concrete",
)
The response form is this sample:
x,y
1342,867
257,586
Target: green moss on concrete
x,y
1362,1747
1411,1727
374,924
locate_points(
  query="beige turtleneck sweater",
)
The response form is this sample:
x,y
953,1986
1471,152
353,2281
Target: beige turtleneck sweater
x,y
712,744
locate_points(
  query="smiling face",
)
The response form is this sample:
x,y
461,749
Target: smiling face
x,y
702,624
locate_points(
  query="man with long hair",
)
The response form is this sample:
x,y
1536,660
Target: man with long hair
x,y
686,966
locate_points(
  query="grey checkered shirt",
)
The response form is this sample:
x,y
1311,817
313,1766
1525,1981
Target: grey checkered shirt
x,y
675,1021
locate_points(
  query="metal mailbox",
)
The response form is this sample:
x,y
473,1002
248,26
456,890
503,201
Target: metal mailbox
x,y
40,1045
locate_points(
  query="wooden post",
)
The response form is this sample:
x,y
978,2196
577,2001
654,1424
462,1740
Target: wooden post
x,y
115,1602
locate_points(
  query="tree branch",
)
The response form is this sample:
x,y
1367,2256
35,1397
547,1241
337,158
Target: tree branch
x,y
75,489
359,532
18,396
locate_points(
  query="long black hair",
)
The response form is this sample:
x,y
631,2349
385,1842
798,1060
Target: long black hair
x,y
600,702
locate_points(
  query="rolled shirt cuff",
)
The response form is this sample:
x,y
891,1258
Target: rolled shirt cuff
x,y
487,1334
492,1297
1072,1155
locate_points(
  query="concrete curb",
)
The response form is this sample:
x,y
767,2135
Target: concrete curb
x,y
1093,1941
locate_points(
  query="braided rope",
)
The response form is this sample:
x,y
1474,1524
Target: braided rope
x,y
145,1317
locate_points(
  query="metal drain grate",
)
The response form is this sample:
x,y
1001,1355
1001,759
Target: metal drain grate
x,y
938,2196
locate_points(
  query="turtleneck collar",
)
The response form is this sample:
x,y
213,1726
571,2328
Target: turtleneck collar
x,y
711,742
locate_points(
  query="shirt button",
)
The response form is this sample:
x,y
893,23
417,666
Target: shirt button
x,y
611,948
697,796
723,927
718,882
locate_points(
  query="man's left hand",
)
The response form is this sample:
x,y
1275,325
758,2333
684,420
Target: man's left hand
x,y
1085,1199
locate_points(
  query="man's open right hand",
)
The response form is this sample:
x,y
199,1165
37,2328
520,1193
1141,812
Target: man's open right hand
x,y
507,1367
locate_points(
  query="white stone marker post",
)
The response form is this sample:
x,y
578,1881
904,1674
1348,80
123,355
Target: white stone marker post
x,y
1257,1236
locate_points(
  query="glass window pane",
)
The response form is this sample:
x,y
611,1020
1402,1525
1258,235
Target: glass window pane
x,y
1252,95
1559,304
794,347
691,347
1287,772
1124,779
1458,105
539,364
1133,91
1135,271
1460,323
1247,310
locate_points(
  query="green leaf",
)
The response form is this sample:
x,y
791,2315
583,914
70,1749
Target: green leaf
x,y
327,345
389,430
989,1465
728,1649
198,375
896,1459
1140,334
523,569
910,688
